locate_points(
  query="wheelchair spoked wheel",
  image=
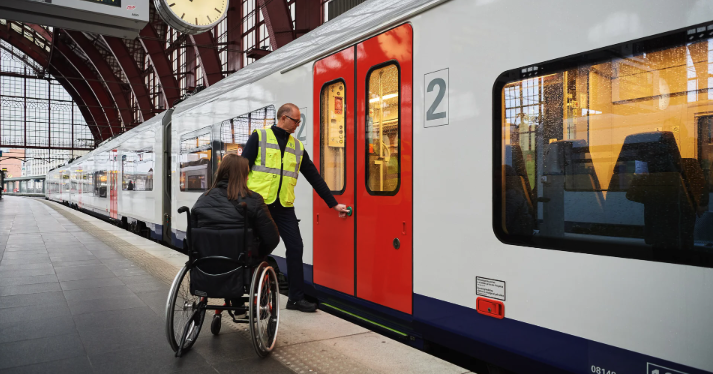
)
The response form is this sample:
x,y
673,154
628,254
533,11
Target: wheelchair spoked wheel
x,y
184,312
264,314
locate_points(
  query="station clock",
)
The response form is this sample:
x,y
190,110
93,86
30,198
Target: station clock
x,y
192,16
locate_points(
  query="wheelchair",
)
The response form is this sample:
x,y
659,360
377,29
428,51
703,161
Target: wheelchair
x,y
186,307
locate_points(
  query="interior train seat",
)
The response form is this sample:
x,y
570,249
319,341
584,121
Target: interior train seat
x,y
649,168
519,210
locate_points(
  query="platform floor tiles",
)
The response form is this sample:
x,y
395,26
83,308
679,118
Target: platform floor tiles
x,y
78,295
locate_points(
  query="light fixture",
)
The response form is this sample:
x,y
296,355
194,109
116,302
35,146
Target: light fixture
x,y
385,97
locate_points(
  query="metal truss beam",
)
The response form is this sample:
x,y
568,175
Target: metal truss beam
x,y
94,83
154,47
278,22
307,16
40,56
75,79
133,74
207,54
106,73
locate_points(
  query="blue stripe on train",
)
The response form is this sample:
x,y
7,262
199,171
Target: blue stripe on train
x,y
515,345
466,330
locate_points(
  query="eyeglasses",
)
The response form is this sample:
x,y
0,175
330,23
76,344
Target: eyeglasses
x,y
296,121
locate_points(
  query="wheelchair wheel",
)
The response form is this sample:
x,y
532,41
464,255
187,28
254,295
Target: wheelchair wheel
x,y
184,314
215,325
264,309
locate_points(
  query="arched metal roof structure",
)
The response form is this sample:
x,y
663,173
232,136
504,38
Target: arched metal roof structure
x,y
118,83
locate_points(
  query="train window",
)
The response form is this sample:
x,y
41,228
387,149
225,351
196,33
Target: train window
x,y
382,130
610,155
333,139
195,161
234,132
100,183
137,170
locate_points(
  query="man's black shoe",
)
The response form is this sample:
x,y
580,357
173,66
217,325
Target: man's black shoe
x,y
302,305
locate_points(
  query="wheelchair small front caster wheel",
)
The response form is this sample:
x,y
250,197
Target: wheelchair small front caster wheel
x,y
215,325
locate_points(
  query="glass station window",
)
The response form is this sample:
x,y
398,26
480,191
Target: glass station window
x,y
333,136
196,170
234,133
616,151
382,131
137,170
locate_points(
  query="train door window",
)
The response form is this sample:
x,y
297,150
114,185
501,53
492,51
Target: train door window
x,y
100,183
195,161
610,156
333,136
234,133
382,130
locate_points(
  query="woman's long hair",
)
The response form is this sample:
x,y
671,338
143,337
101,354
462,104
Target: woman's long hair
x,y
235,170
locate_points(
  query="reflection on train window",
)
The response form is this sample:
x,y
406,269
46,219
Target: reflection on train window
x,y
382,131
137,170
195,162
87,182
100,183
616,151
234,133
333,136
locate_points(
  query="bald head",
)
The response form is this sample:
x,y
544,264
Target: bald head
x,y
288,117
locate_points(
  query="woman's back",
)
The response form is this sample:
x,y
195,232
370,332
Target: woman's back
x,y
215,211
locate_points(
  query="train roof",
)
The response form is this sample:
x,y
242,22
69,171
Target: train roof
x,y
113,142
347,29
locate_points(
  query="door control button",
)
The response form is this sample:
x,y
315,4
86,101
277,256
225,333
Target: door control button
x,y
397,243
490,307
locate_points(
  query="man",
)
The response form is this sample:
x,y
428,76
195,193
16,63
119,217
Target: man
x,y
273,174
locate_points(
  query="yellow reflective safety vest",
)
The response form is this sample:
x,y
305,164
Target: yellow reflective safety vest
x,y
269,165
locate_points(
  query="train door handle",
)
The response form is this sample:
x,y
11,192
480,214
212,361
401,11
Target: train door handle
x,y
396,243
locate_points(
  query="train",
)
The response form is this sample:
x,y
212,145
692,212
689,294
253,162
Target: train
x,y
546,210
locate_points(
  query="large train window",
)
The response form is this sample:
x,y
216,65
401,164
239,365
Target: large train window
x,y
333,134
195,161
137,170
610,152
382,131
234,132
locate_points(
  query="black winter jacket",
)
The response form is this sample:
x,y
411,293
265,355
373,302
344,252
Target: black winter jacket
x,y
213,210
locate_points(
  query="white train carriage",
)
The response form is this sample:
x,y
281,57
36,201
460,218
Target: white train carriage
x,y
530,181
119,180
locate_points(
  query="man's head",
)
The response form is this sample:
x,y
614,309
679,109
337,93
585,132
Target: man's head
x,y
288,117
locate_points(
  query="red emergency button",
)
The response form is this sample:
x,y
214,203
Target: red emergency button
x,y
489,307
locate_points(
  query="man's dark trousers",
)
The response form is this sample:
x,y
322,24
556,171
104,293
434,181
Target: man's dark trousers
x,y
289,228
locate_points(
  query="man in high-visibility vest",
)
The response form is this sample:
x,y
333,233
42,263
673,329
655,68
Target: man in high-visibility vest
x,y
276,159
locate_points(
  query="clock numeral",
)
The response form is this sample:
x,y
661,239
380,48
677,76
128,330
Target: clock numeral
x,y
183,15
217,10
170,5
209,20
196,20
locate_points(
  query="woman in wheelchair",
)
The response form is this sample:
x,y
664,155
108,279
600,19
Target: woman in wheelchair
x,y
230,233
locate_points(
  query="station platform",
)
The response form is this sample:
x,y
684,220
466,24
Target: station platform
x,y
79,295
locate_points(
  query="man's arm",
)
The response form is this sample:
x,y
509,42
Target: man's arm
x,y
251,148
315,179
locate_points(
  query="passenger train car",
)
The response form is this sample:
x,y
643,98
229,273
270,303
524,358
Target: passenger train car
x,y
530,181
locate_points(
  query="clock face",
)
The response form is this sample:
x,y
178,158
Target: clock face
x,y
192,16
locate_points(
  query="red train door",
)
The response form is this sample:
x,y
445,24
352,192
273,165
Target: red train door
x,y
377,170
334,156
384,160
113,193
